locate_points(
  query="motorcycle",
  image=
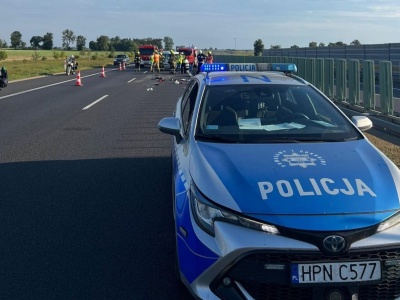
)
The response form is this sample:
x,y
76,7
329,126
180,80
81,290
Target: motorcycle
x,y
71,67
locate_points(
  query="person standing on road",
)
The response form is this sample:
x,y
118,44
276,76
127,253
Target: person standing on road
x,y
209,58
182,58
161,62
191,60
151,58
172,62
200,60
137,61
156,61
178,63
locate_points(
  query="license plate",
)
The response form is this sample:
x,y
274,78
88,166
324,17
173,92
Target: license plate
x,y
330,272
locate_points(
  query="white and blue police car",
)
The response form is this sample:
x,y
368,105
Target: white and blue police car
x,y
277,194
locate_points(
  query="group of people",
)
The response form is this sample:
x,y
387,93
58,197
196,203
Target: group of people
x,y
202,58
178,62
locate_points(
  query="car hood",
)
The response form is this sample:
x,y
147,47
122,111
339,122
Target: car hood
x,y
329,186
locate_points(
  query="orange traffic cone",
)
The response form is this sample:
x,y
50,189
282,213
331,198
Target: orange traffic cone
x,y
124,66
78,79
103,74
120,67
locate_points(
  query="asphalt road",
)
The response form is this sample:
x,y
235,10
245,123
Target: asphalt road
x,y
85,196
85,191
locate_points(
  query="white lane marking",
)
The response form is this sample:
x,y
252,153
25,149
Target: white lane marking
x,y
93,103
131,80
43,87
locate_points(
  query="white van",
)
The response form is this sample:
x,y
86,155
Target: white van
x,y
167,55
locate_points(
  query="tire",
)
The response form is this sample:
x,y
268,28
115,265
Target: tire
x,y
68,70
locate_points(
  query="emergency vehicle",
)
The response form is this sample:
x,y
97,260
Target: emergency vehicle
x,y
145,52
276,193
190,53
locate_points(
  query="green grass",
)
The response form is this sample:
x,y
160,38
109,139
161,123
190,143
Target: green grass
x,y
23,64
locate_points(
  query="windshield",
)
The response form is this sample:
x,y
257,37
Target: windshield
x,y
186,52
121,56
270,114
146,51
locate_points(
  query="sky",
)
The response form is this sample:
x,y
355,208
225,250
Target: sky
x,y
220,24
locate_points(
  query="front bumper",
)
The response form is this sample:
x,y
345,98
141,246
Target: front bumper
x,y
240,272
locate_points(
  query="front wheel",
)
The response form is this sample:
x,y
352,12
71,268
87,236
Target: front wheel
x,y
68,70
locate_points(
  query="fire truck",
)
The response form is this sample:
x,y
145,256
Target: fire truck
x,y
190,53
145,52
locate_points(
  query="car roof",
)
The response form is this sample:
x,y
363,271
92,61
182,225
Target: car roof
x,y
245,77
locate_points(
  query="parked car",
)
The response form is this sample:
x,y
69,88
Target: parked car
x,y
120,59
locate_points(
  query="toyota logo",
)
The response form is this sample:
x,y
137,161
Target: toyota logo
x,y
334,243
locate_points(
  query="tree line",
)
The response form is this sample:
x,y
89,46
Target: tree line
x,y
259,46
78,42
105,43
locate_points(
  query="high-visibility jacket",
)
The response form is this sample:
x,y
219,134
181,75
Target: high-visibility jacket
x,y
209,59
156,57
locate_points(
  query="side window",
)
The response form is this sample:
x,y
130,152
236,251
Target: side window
x,y
188,103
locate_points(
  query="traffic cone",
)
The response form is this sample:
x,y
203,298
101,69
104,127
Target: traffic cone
x,y
120,67
78,79
124,66
103,74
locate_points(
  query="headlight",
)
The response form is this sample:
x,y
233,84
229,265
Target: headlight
x,y
206,213
394,220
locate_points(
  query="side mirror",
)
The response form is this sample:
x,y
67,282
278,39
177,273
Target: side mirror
x,y
362,122
171,126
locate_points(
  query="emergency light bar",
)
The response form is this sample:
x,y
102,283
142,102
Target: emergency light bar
x,y
284,67
250,67
214,67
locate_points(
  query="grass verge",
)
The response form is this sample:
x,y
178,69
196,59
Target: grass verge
x,y
391,150
23,64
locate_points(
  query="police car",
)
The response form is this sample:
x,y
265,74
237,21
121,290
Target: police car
x,y
277,194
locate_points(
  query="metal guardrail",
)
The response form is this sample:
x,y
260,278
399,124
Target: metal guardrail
x,y
341,80
375,52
